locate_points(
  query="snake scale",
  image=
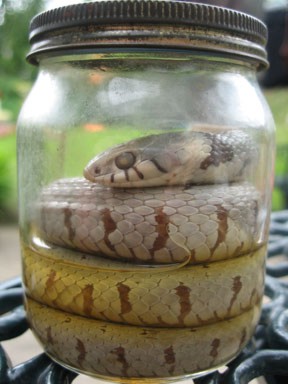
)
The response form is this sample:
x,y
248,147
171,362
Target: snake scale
x,y
150,265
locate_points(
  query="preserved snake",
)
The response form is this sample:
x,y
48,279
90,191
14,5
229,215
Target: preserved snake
x,y
152,266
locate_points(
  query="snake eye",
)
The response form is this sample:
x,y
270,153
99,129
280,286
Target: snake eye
x,y
125,160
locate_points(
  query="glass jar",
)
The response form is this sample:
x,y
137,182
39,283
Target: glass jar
x,y
145,154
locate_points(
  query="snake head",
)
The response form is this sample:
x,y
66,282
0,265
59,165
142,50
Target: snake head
x,y
175,158
114,166
137,163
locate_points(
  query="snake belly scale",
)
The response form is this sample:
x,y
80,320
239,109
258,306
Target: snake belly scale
x,y
155,246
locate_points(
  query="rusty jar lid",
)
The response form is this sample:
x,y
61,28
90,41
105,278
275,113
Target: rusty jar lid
x,y
147,24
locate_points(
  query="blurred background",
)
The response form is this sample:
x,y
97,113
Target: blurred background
x,y
16,78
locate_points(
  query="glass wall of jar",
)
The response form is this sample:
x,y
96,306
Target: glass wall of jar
x,y
145,179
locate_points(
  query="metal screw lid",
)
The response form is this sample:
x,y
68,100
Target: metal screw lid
x,y
170,24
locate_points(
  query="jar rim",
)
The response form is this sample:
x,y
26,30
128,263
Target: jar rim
x,y
148,23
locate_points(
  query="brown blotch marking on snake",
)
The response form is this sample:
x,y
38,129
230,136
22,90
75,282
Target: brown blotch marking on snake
x,y
238,250
49,335
161,229
254,297
150,334
120,353
123,291
67,222
243,338
216,316
109,226
222,217
236,288
87,293
221,152
183,293
215,345
103,329
51,279
160,321
209,320
80,347
169,356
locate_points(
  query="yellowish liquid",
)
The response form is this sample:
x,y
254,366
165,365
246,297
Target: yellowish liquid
x,y
75,335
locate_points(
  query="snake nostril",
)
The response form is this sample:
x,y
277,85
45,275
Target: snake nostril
x,y
97,170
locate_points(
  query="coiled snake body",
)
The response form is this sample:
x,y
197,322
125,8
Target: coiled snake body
x,y
142,275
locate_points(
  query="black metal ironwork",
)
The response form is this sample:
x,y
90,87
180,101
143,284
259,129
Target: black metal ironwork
x,y
266,355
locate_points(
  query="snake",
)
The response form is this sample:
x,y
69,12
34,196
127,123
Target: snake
x,y
151,264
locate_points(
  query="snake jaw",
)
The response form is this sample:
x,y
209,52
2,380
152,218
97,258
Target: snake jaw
x,y
109,175
88,173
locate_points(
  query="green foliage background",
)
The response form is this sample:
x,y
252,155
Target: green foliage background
x,y
14,24
15,79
